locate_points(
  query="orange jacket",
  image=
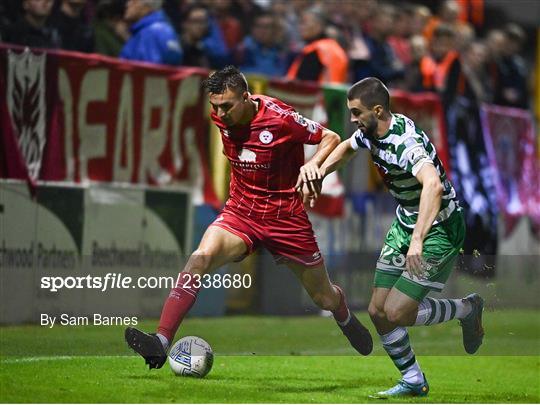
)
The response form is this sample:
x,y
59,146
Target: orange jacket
x,y
434,74
332,57
472,11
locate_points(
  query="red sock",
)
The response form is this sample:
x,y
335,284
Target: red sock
x,y
178,303
341,314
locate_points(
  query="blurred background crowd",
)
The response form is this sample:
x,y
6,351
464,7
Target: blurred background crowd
x,y
429,45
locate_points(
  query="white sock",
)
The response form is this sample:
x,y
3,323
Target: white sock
x,y
397,345
164,341
414,375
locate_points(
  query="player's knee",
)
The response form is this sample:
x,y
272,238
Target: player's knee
x,y
395,315
199,261
323,301
376,312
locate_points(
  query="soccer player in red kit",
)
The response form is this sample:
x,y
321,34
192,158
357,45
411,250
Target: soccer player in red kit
x,y
263,138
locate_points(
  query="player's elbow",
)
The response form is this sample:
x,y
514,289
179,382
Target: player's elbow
x,y
435,186
331,138
438,188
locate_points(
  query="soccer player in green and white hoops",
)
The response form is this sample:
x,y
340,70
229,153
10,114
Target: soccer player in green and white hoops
x,y
422,244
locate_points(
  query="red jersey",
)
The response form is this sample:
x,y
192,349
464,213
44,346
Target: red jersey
x,y
265,157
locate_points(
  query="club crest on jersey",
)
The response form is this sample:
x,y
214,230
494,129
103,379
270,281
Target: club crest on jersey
x,y
247,155
266,137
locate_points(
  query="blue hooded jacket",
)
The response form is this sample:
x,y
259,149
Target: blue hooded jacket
x,y
153,40
255,58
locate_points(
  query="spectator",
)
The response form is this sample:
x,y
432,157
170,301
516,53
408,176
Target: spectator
x,y
355,27
32,29
153,37
465,35
495,41
288,12
110,29
467,76
335,26
322,59
229,25
245,11
436,66
195,29
174,10
202,41
75,33
472,12
420,18
399,40
413,72
383,63
448,13
512,70
261,51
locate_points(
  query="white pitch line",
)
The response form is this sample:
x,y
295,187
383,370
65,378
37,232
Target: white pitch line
x,y
55,358
64,358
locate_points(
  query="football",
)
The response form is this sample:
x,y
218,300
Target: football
x,y
191,356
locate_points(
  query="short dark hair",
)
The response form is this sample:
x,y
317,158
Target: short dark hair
x,y
264,14
371,92
444,30
227,78
515,33
385,9
190,9
318,14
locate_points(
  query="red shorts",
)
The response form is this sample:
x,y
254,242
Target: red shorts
x,y
288,239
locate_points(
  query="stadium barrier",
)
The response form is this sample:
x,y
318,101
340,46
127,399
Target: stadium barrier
x,y
64,232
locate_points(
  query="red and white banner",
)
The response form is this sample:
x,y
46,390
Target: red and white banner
x,y
511,148
78,118
426,110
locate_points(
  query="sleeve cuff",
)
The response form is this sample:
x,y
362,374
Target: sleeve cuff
x,y
354,142
416,168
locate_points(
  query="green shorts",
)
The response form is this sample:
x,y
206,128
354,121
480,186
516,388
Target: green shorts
x,y
441,247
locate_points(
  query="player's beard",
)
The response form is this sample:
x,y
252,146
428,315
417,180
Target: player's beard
x,y
370,130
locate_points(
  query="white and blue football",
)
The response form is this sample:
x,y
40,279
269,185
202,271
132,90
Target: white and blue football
x,y
191,356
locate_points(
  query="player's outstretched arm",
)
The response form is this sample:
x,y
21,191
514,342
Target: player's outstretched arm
x,y
339,156
309,182
311,189
311,170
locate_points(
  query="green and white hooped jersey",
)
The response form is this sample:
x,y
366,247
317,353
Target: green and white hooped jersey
x,y
398,156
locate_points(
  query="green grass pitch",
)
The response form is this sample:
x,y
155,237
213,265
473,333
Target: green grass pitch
x,y
270,360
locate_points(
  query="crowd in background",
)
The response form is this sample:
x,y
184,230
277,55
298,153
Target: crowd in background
x,y
407,45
